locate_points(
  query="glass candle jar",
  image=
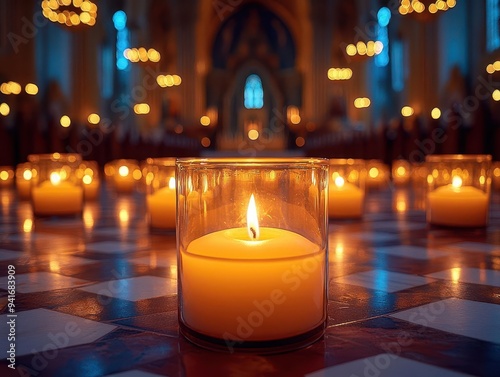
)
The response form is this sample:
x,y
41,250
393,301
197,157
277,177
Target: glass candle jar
x,y
161,192
346,189
252,252
24,176
89,174
458,190
57,191
400,172
6,176
125,175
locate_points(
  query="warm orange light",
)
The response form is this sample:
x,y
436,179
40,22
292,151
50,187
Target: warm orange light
x,y
4,109
253,134
55,178
339,182
87,179
373,172
407,111
205,142
205,121
123,171
31,89
252,220
65,121
456,182
436,113
94,118
171,183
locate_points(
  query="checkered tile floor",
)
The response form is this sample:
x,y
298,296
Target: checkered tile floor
x,y
97,297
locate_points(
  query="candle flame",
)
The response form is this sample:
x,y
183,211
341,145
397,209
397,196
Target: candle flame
x,y
87,179
55,178
252,220
456,182
339,182
27,174
123,171
171,183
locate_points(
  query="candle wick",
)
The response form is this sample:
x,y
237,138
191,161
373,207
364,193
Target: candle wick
x,y
254,233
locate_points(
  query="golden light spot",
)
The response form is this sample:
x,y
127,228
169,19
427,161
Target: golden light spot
x,y
123,171
94,118
205,121
373,172
65,121
87,179
253,134
436,113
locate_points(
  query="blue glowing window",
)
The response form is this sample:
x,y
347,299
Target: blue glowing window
x,y
383,18
254,93
120,23
492,25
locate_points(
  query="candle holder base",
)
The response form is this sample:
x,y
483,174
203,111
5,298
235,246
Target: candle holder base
x,y
264,347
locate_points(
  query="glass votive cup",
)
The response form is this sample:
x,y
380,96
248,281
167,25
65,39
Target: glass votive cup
x,y
161,192
24,177
346,188
57,190
6,176
377,174
418,175
401,172
252,259
125,175
88,172
458,190
495,176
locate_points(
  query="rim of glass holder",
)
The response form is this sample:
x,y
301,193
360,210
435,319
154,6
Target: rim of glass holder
x,y
347,161
458,157
274,162
162,161
56,156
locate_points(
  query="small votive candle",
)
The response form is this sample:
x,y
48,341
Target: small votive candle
x,y
346,188
252,260
125,175
458,190
57,191
6,176
377,174
400,172
89,173
24,176
161,192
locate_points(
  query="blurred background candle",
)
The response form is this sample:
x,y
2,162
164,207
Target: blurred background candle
x,y
459,190
58,190
495,176
346,190
6,176
400,172
24,175
241,256
126,174
89,172
161,193
377,174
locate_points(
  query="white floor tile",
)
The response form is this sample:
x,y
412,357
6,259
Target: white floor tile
x,y
409,251
383,280
135,289
42,281
42,330
469,275
474,319
385,365
111,247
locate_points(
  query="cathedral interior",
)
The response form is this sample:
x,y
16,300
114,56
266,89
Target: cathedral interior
x,y
361,79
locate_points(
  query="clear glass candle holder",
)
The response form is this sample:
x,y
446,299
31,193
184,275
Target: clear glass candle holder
x,y
126,173
346,188
58,190
161,193
252,252
401,172
6,176
458,190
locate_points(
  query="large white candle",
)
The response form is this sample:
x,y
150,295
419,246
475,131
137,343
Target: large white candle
x,y
57,197
457,205
252,283
161,207
345,200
